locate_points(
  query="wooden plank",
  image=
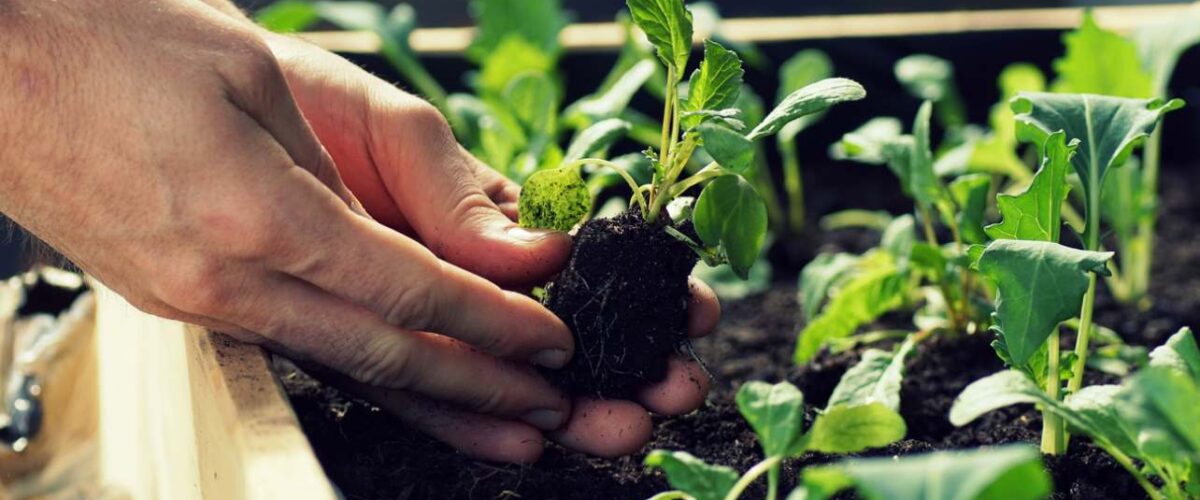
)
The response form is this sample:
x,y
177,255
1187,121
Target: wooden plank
x,y
609,36
186,413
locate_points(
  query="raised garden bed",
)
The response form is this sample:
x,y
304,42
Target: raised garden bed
x,y
370,454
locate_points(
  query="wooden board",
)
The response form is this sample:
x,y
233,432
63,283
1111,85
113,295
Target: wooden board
x,y
610,36
188,414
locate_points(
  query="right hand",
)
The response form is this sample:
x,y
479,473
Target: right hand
x,y
156,144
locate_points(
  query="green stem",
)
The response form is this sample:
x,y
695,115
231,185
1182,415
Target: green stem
x,y
710,171
773,483
793,184
665,149
752,474
1127,464
637,192
1139,277
1052,425
1085,331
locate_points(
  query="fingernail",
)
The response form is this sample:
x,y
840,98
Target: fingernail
x,y
529,235
546,420
551,358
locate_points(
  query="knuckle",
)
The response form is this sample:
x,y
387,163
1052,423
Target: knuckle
x,y
493,398
413,306
242,228
199,289
386,364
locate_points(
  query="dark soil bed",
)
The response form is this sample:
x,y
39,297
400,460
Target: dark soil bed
x,y
371,455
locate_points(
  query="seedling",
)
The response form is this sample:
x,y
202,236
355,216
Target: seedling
x,y
627,270
861,415
1150,418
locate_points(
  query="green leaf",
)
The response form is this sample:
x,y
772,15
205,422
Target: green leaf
x,y
1179,353
691,475
533,99
1108,128
899,238
1163,406
1161,43
715,85
733,151
596,139
866,143
970,194
878,287
287,16
668,25
554,199
875,379
775,412
926,187
536,22
804,68
821,275
361,16
1099,61
1121,202
1091,411
926,77
1036,213
514,56
610,102
1041,284
730,215
997,153
1007,472
851,429
811,99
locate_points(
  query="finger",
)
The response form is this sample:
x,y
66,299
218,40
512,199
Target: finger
x,y
443,191
683,390
479,436
312,325
704,309
406,285
605,428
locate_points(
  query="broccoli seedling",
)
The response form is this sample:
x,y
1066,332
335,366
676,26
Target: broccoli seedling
x,y
729,216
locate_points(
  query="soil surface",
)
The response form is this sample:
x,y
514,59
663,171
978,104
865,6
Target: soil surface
x,y
371,455
624,296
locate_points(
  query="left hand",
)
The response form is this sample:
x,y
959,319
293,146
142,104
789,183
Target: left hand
x,y
398,156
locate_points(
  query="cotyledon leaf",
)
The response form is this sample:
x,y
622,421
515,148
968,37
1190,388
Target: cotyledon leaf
x,y
1036,213
730,215
1040,284
694,477
774,411
875,379
596,139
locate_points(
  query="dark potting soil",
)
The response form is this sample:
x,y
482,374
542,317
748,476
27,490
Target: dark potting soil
x,y
624,295
369,454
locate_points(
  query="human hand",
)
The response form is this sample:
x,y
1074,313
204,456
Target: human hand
x,y
169,160
427,186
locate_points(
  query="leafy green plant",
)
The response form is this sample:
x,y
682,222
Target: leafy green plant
x,y
1150,418
1010,472
861,414
729,216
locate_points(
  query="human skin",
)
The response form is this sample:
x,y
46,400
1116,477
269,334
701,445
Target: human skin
x,y
213,173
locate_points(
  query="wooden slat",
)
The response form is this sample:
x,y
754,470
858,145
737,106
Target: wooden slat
x,y
185,413
609,36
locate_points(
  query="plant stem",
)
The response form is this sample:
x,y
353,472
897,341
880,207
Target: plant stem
x,y
752,474
1052,425
665,150
637,192
672,495
1085,330
931,238
773,483
793,184
710,171
1127,464
1139,276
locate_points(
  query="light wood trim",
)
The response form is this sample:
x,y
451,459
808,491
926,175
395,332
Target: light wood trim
x,y
189,414
608,36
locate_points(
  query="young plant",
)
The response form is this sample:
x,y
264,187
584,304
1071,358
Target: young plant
x,y
1009,472
804,68
861,415
904,269
1150,418
622,293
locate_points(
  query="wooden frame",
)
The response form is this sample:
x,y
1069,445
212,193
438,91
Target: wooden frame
x,y
609,36
187,413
